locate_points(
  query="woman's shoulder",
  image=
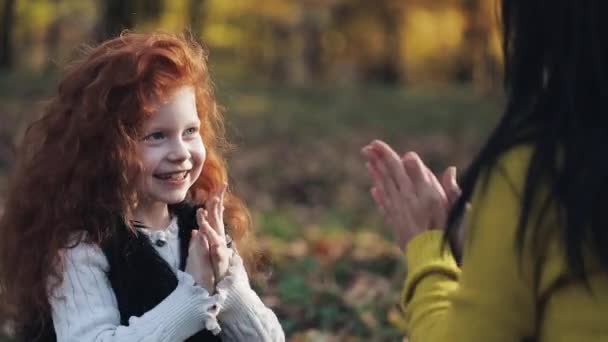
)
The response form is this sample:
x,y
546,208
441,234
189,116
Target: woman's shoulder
x,y
512,166
516,159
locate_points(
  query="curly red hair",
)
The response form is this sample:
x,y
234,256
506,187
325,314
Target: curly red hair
x,y
77,164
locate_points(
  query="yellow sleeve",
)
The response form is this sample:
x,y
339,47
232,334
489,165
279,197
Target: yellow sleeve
x,y
491,298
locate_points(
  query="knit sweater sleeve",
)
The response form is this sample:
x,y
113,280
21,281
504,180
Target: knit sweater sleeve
x,y
243,316
84,307
491,298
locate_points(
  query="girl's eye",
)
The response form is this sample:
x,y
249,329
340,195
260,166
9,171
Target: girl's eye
x,y
191,130
154,136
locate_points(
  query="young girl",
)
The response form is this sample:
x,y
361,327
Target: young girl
x,y
115,224
535,262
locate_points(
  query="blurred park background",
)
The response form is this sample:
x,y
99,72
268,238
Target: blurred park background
x,y
305,83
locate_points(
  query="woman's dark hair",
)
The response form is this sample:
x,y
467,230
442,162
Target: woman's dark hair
x,y
556,54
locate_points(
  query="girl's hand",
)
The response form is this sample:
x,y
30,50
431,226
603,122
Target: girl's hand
x,y
198,263
409,196
211,225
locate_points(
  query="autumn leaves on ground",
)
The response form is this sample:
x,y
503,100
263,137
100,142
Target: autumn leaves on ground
x,y
332,273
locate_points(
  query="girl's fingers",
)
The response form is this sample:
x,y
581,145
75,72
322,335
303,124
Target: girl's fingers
x,y
210,212
211,216
193,241
215,240
218,251
200,214
223,194
216,209
220,211
204,243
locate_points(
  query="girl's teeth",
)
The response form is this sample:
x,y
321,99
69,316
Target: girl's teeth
x,y
173,176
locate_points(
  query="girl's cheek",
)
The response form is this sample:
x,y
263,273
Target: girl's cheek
x,y
198,149
154,154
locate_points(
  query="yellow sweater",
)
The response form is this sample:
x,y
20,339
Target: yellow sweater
x,y
494,297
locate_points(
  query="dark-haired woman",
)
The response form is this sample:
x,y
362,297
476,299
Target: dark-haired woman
x,y
535,258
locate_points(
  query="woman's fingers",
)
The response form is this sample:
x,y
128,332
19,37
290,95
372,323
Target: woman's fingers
x,y
389,188
377,179
394,166
416,170
379,198
409,196
450,185
436,184
388,164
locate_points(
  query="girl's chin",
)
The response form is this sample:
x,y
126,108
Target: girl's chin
x,y
175,199
166,195
169,198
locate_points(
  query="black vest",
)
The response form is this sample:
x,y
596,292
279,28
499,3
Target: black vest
x,y
140,277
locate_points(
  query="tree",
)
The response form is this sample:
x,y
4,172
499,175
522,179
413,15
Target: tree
x,y
481,66
196,12
118,15
392,70
6,34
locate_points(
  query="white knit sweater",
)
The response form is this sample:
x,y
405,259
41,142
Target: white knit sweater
x,y
84,307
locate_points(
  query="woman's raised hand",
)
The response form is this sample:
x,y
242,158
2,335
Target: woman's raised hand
x,y
409,196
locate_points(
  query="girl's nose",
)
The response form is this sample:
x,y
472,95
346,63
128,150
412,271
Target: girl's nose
x,y
179,151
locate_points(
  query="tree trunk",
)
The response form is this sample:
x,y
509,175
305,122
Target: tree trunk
x,y
482,67
391,70
196,12
118,15
53,37
6,35
149,9
313,49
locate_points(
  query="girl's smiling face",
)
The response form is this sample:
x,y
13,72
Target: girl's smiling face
x,y
171,150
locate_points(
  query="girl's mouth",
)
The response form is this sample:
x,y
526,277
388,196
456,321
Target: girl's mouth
x,y
172,176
